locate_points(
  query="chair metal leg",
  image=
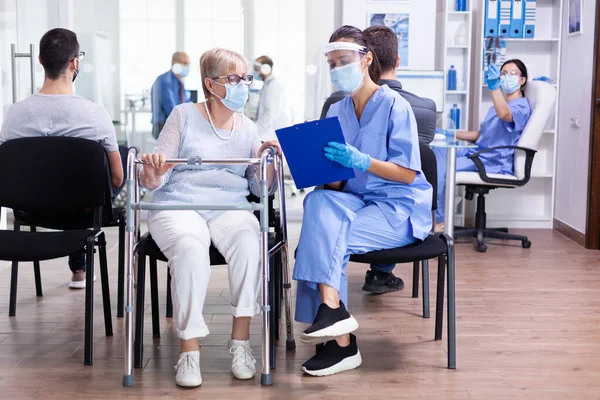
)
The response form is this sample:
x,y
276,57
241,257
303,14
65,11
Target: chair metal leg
x,y
425,268
415,287
89,302
121,269
14,277
451,310
105,287
154,298
169,299
36,272
290,342
439,303
139,307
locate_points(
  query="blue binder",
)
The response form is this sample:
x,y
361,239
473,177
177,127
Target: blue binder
x,y
303,146
504,18
517,19
529,29
491,18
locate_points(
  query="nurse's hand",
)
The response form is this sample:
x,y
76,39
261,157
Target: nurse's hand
x,y
269,143
155,166
347,156
492,77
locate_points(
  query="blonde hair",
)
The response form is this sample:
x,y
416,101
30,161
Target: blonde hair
x,y
218,62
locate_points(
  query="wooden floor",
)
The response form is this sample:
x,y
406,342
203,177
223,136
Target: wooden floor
x,y
528,325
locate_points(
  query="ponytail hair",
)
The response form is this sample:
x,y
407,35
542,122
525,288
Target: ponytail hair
x,y
359,37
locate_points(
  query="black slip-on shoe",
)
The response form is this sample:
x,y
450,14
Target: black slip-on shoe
x,y
329,324
332,359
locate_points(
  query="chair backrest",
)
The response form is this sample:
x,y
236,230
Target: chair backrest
x,y
429,168
542,98
53,174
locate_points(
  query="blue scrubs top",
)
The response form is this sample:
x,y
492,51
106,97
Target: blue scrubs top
x,y
496,132
387,131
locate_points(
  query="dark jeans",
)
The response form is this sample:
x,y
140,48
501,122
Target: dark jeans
x,y
157,128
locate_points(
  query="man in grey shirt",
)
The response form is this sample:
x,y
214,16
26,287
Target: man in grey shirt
x,y
56,111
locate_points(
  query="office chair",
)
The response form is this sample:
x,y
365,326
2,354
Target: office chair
x,y
542,98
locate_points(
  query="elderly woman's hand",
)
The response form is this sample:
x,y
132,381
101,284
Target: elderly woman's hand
x,y
155,165
270,143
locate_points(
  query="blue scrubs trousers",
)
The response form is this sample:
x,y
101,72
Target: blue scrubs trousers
x,y
463,163
336,225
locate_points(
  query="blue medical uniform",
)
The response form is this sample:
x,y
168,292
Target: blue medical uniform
x,y
370,213
494,132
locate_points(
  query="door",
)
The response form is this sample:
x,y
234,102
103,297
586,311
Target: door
x,y
592,234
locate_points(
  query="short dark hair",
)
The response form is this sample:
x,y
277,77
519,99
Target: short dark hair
x,y
521,65
265,60
357,36
385,45
58,47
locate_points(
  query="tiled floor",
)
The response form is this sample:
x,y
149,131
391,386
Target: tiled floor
x,y
527,324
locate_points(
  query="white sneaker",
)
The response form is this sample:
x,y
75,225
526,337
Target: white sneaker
x,y
78,284
243,363
188,369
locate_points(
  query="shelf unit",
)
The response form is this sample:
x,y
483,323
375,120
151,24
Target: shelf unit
x,y
452,53
531,206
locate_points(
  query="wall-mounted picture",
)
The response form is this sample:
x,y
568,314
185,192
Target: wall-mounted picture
x,y
399,23
575,17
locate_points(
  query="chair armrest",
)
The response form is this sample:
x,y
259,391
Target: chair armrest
x,y
529,154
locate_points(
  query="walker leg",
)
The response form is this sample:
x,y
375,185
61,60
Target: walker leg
x,y
290,342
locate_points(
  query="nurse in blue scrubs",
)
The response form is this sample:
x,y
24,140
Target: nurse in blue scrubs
x,y
502,126
387,204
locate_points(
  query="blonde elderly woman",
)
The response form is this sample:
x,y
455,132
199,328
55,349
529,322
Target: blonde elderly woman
x,y
213,129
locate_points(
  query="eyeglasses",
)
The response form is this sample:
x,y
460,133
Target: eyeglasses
x,y
236,79
80,56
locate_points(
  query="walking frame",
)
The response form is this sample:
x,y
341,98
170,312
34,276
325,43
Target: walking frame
x,y
134,206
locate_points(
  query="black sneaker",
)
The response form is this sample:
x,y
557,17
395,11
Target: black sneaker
x,y
329,324
378,282
332,358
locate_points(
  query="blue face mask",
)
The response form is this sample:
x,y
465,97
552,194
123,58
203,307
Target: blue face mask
x,y
235,97
347,78
257,76
509,84
185,71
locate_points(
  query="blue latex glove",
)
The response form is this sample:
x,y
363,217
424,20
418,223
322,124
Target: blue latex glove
x,y
347,155
492,77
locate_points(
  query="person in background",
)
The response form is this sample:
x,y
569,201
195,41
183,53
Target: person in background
x,y
272,111
56,111
384,42
168,91
502,126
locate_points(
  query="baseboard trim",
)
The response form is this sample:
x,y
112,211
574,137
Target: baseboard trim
x,y
569,232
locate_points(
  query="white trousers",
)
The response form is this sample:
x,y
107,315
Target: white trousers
x,y
185,237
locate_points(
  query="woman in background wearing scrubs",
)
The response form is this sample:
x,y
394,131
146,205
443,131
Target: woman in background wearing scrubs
x,y
387,204
502,126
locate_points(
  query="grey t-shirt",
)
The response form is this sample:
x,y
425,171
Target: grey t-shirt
x,y
59,115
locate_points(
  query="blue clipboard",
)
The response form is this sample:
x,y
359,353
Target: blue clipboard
x,y
303,146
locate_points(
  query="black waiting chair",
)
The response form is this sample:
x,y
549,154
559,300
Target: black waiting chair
x,y
440,246
112,216
148,248
65,181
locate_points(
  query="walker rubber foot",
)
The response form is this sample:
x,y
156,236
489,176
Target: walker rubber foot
x,y
128,380
290,345
266,379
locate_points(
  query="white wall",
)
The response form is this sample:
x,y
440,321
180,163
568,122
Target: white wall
x,y
422,26
575,99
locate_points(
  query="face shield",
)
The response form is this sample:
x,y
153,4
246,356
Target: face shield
x,y
344,63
